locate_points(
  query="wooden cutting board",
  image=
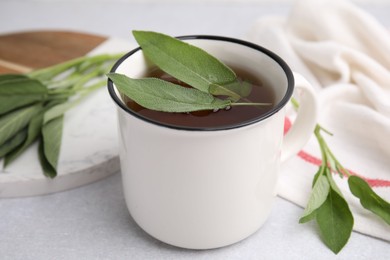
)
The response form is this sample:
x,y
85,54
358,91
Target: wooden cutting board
x,y
22,52
89,148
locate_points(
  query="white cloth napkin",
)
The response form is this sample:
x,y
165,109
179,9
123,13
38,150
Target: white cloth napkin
x,y
345,53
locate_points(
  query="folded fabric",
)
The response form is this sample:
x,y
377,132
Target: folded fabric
x,y
345,53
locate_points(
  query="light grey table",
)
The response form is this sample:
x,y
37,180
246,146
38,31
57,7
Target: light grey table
x,y
92,222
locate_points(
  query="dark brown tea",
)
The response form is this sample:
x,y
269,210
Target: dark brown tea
x,y
203,119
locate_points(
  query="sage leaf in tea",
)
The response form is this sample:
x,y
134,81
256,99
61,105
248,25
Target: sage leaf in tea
x,y
236,89
49,147
369,199
183,61
160,95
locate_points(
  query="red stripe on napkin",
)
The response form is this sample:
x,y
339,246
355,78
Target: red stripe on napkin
x,y
316,161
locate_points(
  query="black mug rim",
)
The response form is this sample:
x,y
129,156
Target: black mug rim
x,y
274,110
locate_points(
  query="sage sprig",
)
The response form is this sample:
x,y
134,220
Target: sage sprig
x,y
208,77
328,206
32,105
164,96
190,64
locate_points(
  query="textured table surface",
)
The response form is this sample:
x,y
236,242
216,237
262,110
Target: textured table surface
x,y
92,222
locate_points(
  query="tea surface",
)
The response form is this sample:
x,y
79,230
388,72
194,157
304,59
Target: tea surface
x,y
226,117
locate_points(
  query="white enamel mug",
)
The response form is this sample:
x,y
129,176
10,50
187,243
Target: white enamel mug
x,y
205,188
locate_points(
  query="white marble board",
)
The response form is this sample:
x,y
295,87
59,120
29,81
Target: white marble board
x,y
89,146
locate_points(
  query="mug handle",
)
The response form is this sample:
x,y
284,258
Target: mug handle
x,y
306,120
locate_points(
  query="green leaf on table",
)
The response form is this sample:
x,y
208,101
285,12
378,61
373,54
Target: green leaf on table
x,y
5,77
317,197
60,109
20,85
335,221
56,109
19,90
185,62
33,132
318,174
13,122
332,183
48,170
334,166
10,103
369,199
164,96
13,142
49,147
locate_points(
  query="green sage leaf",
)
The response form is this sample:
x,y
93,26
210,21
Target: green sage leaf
x,y
332,183
57,111
335,221
236,89
48,170
5,77
33,131
60,108
318,174
164,96
20,85
10,103
13,142
185,62
317,197
19,90
13,122
369,199
50,145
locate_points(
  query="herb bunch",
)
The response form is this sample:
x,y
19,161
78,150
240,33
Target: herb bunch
x,y
32,106
211,78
